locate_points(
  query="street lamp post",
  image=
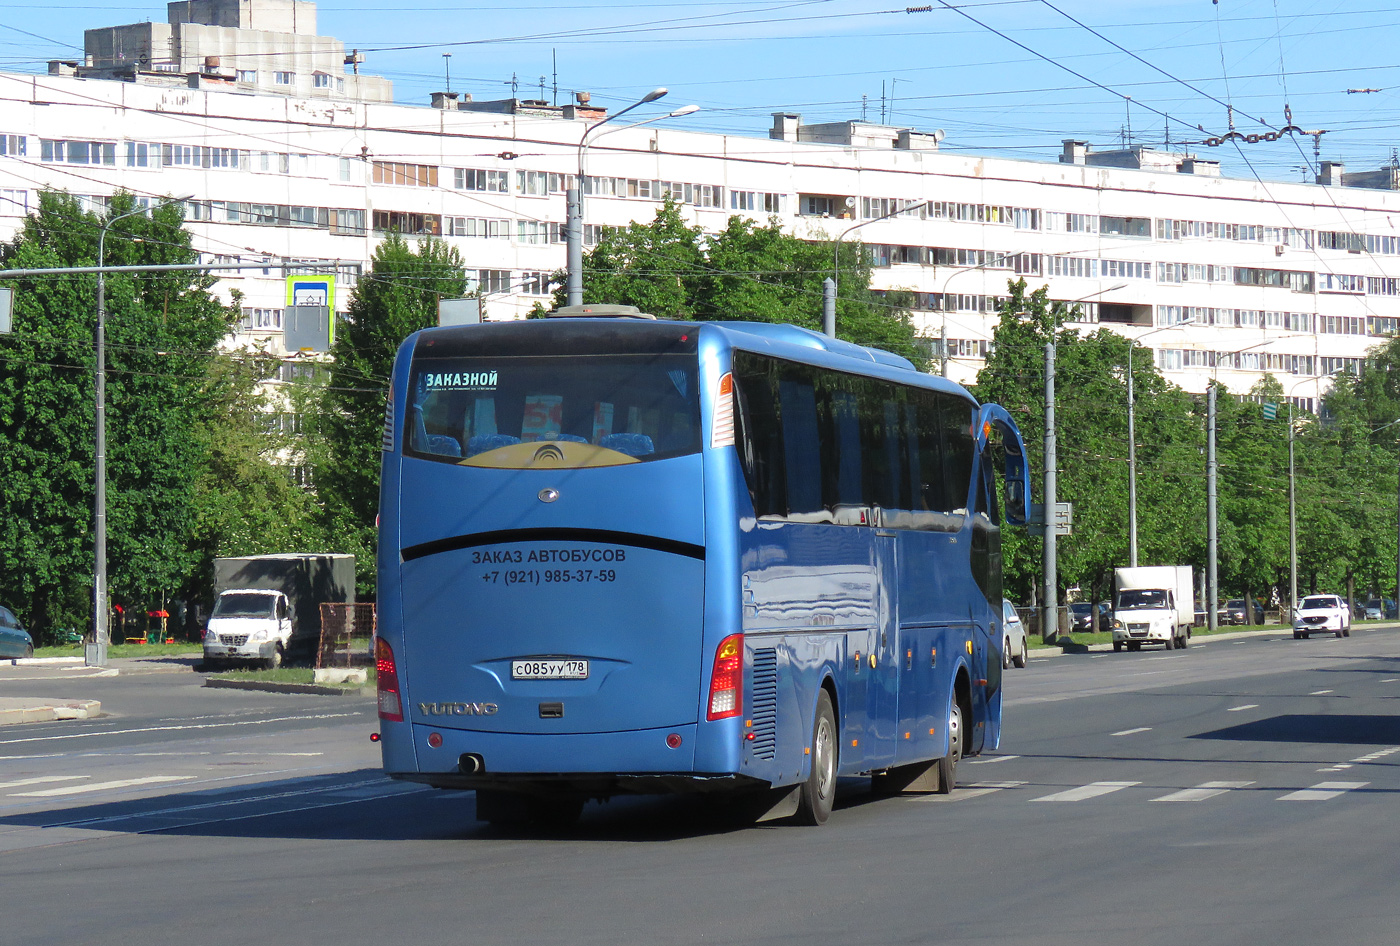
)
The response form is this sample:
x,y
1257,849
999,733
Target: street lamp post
x,y
573,225
97,656
1132,444
829,292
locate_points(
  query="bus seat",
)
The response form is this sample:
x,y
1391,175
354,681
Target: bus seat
x,y
634,445
440,444
483,442
567,438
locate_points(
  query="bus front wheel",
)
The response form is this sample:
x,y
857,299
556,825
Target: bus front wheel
x,y
818,794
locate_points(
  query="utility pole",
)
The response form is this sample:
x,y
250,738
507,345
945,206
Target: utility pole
x,y
1050,605
1132,468
1293,524
1212,591
829,307
943,351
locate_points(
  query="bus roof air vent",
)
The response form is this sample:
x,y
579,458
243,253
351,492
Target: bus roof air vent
x,y
599,312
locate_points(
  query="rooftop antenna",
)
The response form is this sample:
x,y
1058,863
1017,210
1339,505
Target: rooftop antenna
x,y
1128,110
1166,134
882,101
514,85
542,82
864,101
447,69
555,54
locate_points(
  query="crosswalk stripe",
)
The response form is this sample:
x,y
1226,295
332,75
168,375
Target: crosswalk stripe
x,y
1323,791
992,759
1203,791
40,780
1092,790
101,786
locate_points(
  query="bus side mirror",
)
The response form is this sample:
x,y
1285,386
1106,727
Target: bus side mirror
x,y
1015,501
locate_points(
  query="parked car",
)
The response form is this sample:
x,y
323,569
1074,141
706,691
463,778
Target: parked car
x,y
1321,614
1081,617
1372,611
14,639
1014,650
1235,612
1105,617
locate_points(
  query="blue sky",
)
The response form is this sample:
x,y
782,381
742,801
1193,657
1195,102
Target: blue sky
x,y
1160,67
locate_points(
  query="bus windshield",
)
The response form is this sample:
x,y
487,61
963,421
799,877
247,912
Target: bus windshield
x,y
619,408
1132,599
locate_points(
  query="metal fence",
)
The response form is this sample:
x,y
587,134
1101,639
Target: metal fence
x,y
347,635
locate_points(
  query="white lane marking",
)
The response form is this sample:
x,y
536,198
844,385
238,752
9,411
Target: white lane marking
x,y
971,790
1339,767
127,732
102,786
1322,791
1319,692
993,760
995,784
1203,791
1236,709
40,780
1092,790
1390,679
1129,732
1382,753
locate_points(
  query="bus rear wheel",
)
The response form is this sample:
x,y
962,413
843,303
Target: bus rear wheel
x,y
948,765
818,794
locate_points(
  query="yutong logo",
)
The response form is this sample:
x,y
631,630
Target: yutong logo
x,y
458,709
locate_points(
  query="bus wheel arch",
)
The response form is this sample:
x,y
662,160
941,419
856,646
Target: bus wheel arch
x,y
959,730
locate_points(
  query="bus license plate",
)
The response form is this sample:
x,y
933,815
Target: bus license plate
x,y
549,669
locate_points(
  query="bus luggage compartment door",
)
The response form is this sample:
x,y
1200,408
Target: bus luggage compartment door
x,y
557,637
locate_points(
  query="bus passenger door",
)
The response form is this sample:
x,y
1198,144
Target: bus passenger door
x,y
885,682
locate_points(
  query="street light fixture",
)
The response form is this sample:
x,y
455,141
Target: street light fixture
x,y
573,227
829,291
97,656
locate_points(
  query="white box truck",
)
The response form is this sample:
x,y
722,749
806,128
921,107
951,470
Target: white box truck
x,y
267,608
1153,604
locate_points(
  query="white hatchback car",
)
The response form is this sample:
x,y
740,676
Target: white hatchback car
x,y
1013,638
1321,614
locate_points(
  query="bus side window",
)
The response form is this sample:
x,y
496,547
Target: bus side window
x,y
760,435
930,494
959,450
802,455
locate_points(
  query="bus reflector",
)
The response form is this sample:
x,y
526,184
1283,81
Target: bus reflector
x,y
727,678
387,682
722,434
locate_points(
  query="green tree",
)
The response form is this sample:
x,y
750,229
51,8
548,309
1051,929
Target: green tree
x,y
162,330
746,272
398,296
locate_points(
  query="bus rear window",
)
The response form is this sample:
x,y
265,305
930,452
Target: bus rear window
x,y
618,408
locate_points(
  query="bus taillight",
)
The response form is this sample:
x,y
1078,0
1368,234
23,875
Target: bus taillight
x,y
387,677
722,427
727,678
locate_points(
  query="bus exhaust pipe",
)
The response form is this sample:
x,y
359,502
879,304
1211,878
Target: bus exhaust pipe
x,y
471,764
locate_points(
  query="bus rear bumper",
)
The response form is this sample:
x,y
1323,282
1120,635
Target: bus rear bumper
x,y
590,783
635,761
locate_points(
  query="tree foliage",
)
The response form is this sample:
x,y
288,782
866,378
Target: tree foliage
x,y
746,272
162,331
397,297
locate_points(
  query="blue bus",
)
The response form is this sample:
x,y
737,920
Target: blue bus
x,y
622,555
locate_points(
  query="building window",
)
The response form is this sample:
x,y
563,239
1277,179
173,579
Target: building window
x,y
398,221
61,151
248,75
412,175
741,200
282,78
489,280
534,284
345,165
481,228
259,320
13,145
13,203
139,154
320,80
476,179
532,232
349,222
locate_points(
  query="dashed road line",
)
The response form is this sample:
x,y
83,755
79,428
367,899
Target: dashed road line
x,y
1319,692
1323,791
1237,709
1203,791
40,780
994,759
1084,792
1130,732
971,790
101,786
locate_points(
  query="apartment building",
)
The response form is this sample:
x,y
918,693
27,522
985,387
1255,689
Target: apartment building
x,y
1223,278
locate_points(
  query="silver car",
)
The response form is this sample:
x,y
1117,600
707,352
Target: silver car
x,y
1013,636
14,639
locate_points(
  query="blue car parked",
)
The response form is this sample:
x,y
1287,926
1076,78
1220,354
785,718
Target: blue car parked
x,y
14,639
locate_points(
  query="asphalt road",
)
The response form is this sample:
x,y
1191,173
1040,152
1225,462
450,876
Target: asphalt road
x,y
1240,792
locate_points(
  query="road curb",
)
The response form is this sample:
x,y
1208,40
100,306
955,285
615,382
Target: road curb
x,y
47,712
268,686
